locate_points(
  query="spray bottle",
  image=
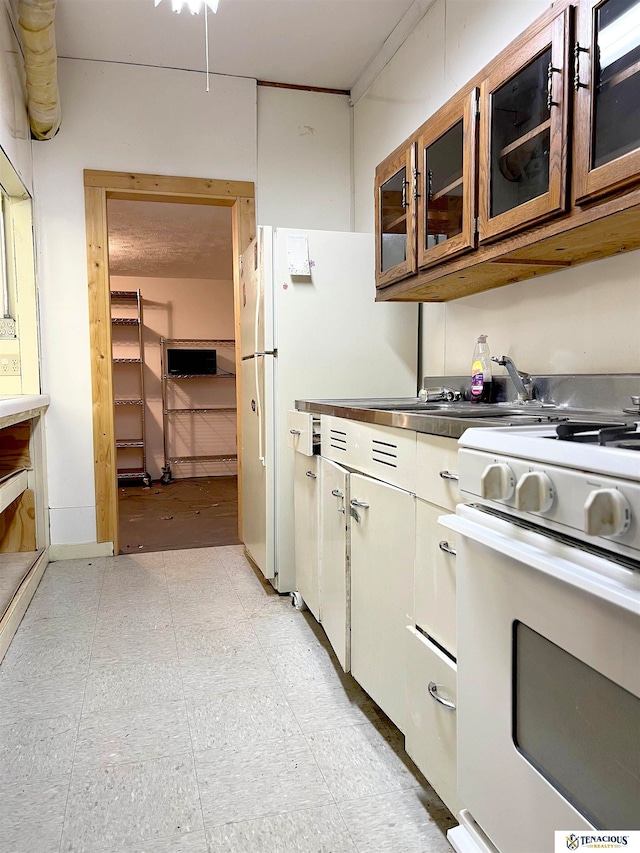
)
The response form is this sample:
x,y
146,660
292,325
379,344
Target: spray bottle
x,y
480,390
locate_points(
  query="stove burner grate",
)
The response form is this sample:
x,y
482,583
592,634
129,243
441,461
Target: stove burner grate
x,y
606,435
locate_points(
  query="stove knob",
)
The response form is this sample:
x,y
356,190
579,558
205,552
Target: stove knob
x,y
535,492
498,482
606,513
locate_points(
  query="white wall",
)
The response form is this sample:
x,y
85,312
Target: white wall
x,y
580,320
304,157
123,118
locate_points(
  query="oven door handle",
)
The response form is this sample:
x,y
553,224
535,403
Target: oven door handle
x,y
597,582
433,692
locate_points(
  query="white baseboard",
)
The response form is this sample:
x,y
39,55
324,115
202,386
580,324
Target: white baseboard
x,y
80,551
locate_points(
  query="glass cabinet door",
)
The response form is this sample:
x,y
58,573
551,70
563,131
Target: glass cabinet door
x,y
523,135
607,84
395,227
446,202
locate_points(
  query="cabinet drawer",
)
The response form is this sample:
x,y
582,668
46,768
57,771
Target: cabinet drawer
x,y
385,453
436,465
300,427
430,737
435,578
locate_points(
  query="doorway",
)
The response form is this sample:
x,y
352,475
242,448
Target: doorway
x,y
191,489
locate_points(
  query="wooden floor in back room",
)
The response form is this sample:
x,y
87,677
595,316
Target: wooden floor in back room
x,y
200,512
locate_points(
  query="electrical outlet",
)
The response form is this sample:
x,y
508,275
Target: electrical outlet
x,y
9,365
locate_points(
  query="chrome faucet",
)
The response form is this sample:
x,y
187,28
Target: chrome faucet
x,y
521,380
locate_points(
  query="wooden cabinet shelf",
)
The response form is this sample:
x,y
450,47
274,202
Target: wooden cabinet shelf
x,y
448,190
525,138
620,77
397,225
23,513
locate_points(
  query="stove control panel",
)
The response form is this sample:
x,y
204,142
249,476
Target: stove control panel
x,y
600,510
606,513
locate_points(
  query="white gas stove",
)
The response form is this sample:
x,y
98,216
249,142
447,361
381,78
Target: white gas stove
x,y
548,621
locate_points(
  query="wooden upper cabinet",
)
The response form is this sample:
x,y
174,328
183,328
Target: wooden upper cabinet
x,y
447,181
395,191
607,84
524,110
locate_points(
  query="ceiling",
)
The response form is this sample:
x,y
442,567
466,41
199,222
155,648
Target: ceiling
x,y
323,43
316,43
159,240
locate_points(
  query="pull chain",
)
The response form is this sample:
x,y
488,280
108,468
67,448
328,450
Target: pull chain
x,y
206,40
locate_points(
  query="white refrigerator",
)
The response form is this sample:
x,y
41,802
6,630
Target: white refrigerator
x,y
314,336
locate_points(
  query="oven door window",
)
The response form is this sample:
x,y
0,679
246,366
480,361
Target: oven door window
x,y
579,729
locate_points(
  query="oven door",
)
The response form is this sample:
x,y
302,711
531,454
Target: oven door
x,y
548,684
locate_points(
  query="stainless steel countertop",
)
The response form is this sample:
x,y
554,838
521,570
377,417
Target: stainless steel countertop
x,y
397,412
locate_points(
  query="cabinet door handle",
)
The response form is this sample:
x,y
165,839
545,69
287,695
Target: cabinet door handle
x,y
405,202
311,475
433,690
550,72
577,50
337,493
447,475
444,546
361,504
295,432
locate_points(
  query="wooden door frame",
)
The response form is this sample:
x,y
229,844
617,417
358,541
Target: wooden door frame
x,y
98,187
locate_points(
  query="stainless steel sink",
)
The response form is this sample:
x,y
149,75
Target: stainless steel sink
x,y
534,412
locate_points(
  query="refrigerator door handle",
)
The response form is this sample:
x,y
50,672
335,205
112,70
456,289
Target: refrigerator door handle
x,y
260,421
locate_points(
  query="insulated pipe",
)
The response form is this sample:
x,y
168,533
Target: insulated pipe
x,y
36,20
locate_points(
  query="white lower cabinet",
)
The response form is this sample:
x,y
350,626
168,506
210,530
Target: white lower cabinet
x,y
306,500
430,733
334,583
381,560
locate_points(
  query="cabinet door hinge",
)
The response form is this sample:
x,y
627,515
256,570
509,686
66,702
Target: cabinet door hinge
x,y
478,106
475,225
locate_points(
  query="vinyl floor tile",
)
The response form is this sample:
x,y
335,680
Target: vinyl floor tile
x,y
319,830
240,783
396,823
37,749
135,642
358,761
193,842
42,698
31,816
256,714
122,804
305,663
321,707
44,651
113,686
190,607
204,640
204,678
119,736
282,628
134,615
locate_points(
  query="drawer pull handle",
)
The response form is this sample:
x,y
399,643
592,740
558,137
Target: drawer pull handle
x,y
447,475
294,431
311,475
337,493
433,690
361,504
444,546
